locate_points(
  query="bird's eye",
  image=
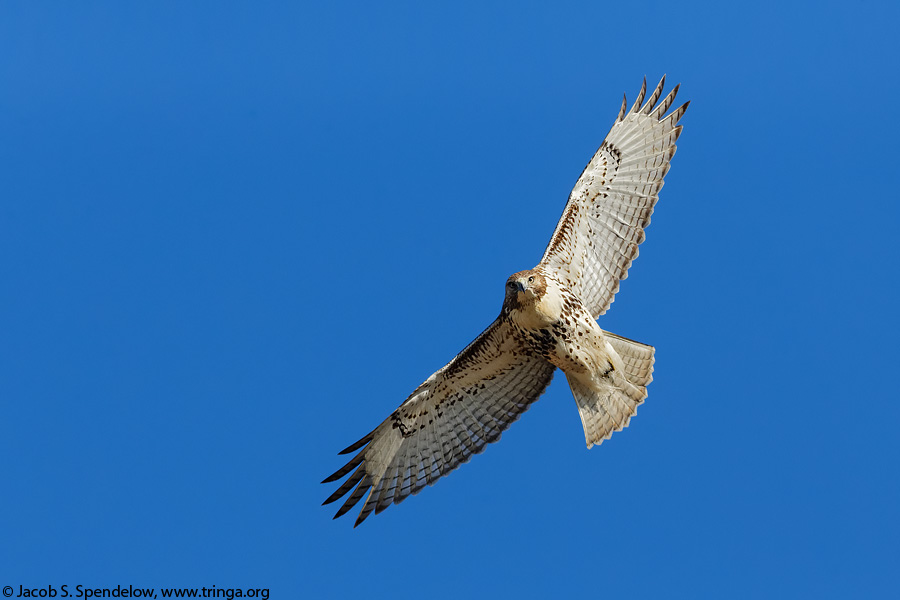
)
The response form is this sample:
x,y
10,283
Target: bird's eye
x,y
531,279
511,285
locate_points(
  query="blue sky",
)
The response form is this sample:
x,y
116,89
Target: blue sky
x,y
235,236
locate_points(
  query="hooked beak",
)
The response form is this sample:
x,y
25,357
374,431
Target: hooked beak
x,y
520,287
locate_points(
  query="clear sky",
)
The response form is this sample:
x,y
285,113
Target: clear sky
x,y
235,236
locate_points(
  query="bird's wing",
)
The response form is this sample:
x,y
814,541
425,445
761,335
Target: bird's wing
x,y
598,234
457,411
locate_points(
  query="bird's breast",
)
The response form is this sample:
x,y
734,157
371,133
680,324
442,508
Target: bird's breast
x,y
539,312
559,328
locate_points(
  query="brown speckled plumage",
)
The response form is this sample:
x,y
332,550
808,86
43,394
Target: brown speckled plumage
x,y
547,321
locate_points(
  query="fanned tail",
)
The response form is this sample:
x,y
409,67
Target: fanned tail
x,y
607,409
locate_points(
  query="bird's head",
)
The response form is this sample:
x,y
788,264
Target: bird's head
x,y
524,288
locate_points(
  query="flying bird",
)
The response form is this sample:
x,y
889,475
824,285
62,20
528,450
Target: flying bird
x,y
547,321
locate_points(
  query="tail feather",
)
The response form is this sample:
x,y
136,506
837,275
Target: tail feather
x,y
608,409
607,403
638,358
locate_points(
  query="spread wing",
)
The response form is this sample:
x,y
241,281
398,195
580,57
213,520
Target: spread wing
x,y
609,207
457,411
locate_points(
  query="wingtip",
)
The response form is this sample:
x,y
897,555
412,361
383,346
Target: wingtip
x,y
356,446
640,98
660,111
675,90
654,97
341,511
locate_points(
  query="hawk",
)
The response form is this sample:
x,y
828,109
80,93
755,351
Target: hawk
x,y
547,321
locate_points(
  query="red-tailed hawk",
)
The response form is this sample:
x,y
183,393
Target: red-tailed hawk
x,y
548,320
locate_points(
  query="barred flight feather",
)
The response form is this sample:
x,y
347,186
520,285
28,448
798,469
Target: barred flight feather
x,y
623,179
